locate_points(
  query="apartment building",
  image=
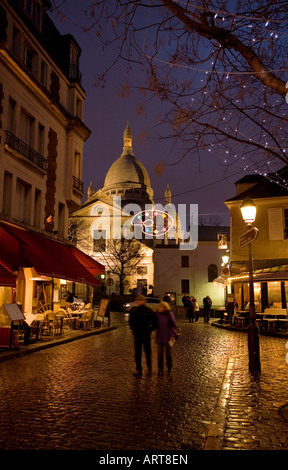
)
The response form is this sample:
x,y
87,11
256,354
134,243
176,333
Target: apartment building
x,y
42,132
42,135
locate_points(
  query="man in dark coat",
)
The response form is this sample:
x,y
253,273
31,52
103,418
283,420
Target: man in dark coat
x,y
207,302
142,321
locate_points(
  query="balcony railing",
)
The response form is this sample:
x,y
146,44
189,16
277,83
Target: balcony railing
x,y
78,184
74,74
24,149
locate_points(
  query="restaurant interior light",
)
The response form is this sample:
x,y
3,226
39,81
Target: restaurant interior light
x,y
248,210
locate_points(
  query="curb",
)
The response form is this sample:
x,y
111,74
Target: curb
x,y
12,354
226,326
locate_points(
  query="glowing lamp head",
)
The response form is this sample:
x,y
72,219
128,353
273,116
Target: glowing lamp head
x,y
248,210
225,259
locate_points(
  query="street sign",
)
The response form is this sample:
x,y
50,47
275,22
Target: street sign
x,y
248,237
225,271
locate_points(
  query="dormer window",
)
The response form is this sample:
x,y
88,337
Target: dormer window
x,y
74,72
34,10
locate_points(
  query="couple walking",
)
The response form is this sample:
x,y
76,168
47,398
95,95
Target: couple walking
x,y
142,322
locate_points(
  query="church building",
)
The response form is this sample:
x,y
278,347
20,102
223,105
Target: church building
x,y
106,215
124,208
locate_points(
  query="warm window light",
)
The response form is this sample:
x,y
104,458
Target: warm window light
x,y
248,210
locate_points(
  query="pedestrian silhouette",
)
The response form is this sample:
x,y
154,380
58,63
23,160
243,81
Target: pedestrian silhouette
x,y
165,336
142,321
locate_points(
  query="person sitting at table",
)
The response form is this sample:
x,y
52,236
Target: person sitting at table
x,y
69,297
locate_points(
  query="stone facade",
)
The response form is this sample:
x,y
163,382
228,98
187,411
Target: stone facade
x,y
42,132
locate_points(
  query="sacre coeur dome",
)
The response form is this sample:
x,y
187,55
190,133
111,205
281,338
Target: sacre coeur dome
x,y
126,169
127,172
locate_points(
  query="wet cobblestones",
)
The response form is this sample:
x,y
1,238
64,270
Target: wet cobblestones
x,y
82,395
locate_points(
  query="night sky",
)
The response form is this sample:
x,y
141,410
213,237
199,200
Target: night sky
x,y
194,181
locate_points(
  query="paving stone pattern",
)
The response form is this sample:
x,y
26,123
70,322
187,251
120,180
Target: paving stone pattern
x,y
82,395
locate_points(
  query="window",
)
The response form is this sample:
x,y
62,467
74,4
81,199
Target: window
x,y
274,294
37,208
212,272
28,58
275,222
38,15
77,164
61,220
184,261
185,287
7,193
99,243
12,116
23,192
142,270
41,132
26,128
43,74
16,41
285,223
79,109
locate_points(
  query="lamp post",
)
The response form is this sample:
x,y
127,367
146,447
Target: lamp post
x,y
248,210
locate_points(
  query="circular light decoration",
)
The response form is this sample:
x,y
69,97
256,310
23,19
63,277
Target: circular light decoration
x,y
154,223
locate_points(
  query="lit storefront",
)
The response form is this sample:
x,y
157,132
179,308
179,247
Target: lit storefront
x,y
270,288
35,271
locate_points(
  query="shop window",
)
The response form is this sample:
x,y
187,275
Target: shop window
x,y
274,294
257,296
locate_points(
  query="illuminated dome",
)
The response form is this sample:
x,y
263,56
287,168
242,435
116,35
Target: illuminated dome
x,y
127,177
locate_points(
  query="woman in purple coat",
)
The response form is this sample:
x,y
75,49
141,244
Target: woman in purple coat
x,y
165,336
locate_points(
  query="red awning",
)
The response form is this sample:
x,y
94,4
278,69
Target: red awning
x,y
25,248
90,264
7,278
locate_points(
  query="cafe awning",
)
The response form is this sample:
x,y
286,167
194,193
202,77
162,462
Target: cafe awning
x,y
25,248
7,278
273,273
220,282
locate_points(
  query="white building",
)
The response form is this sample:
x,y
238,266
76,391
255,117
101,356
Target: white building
x,y
180,272
164,266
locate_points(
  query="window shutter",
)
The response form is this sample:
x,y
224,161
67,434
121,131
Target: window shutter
x,y
275,219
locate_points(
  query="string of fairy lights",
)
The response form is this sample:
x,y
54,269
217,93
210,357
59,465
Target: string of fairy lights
x,y
253,24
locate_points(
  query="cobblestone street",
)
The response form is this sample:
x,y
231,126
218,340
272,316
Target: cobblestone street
x,y
82,395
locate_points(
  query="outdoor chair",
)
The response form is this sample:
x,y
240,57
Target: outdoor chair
x,y
86,320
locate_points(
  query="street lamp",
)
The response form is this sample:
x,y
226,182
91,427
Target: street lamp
x,y
248,210
225,258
